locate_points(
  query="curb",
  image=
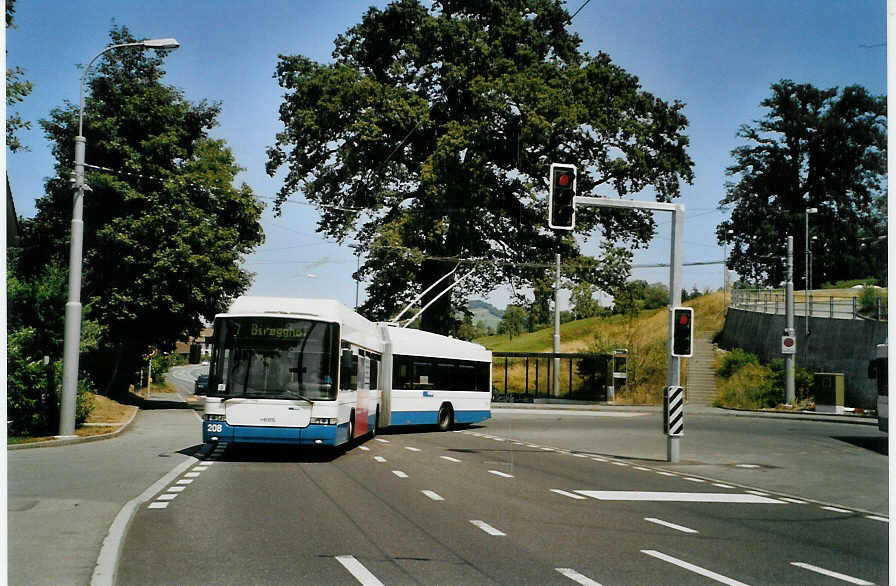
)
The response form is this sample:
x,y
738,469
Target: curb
x,y
76,440
717,411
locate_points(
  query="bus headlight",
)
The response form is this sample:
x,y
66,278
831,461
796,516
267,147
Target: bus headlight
x,y
323,421
216,417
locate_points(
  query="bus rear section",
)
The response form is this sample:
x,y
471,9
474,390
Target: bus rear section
x,y
435,380
274,379
877,369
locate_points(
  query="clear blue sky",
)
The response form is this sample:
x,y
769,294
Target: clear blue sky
x,y
719,57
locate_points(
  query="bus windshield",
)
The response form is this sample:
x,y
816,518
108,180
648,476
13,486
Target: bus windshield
x,y
274,358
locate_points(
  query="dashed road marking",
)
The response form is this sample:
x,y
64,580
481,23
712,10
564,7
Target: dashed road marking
x,y
692,568
692,479
364,448
577,577
681,528
836,509
678,497
379,458
832,574
381,440
449,458
168,496
571,495
488,528
793,501
412,449
158,505
399,473
175,489
185,481
433,495
501,474
877,518
357,569
721,485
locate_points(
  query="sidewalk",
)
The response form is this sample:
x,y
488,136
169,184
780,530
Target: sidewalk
x,y
63,499
695,410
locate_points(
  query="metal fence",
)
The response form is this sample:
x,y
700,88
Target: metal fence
x,y
526,376
815,305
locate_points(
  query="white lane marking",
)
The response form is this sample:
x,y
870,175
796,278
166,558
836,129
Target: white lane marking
x,y
449,458
832,574
364,448
619,464
532,446
175,489
379,458
202,468
756,492
185,481
158,505
577,577
412,449
720,485
876,518
488,528
661,473
191,474
691,567
681,528
680,497
692,479
432,495
549,449
358,570
168,496
746,465
207,463
379,439
501,474
837,509
399,473
641,468
571,495
794,501
580,455
600,459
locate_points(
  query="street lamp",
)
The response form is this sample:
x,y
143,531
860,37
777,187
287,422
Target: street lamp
x,y
806,268
72,342
728,235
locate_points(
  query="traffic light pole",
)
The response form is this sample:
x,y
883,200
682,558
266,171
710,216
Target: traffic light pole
x,y
674,372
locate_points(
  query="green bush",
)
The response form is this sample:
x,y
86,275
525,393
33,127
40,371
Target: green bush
x,y
33,389
734,361
749,387
868,300
803,380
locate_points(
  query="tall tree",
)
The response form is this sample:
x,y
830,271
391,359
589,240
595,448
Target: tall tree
x,y
165,229
820,148
17,89
429,138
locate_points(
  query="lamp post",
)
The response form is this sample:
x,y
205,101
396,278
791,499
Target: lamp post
x,y
72,341
806,268
728,235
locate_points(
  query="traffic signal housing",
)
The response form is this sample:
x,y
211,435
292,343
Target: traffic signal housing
x,y
561,205
682,331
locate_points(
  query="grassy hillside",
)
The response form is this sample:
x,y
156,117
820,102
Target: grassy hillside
x,y
643,335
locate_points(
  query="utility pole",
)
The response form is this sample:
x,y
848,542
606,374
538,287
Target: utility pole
x,y
557,325
790,359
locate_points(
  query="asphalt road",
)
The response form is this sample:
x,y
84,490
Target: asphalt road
x,y
530,497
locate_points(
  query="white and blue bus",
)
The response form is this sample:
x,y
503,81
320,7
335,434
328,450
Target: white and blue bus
x,y
314,372
877,369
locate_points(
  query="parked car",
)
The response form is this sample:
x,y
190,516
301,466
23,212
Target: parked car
x,y
201,386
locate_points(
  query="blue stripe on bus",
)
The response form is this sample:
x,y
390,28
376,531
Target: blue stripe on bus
x,y
431,417
327,434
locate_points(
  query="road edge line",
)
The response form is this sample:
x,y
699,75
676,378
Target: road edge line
x,y
107,562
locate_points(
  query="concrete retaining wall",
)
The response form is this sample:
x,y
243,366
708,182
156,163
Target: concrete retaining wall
x,y
834,345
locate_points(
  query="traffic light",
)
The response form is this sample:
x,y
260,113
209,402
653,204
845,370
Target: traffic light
x,y
561,208
682,331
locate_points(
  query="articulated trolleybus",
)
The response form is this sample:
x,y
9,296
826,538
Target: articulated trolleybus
x,y
314,372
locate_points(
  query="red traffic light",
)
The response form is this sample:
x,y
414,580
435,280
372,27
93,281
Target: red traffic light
x,y
683,319
563,180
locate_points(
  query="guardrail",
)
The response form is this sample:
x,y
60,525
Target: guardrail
x,y
817,304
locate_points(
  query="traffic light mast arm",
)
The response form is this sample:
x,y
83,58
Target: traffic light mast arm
x,y
606,202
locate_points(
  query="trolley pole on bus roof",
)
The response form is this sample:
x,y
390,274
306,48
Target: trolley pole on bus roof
x,y
674,371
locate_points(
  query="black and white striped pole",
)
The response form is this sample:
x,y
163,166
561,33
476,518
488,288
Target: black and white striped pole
x,y
673,419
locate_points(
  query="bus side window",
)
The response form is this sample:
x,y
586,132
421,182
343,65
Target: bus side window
x,y
348,376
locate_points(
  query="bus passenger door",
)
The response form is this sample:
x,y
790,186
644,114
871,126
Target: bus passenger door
x,y
363,396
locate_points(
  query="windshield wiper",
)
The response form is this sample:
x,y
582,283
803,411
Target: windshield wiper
x,y
296,395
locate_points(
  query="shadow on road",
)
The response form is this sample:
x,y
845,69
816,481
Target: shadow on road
x,y
278,453
875,444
